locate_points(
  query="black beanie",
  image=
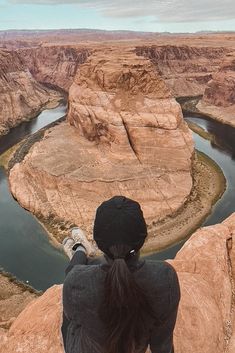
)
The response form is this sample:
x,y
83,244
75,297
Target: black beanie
x,y
119,221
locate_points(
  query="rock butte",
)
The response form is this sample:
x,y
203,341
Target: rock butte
x,y
206,318
124,134
21,96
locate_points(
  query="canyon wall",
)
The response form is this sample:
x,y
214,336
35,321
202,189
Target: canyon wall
x,y
206,318
219,96
21,96
125,134
185,69
54,65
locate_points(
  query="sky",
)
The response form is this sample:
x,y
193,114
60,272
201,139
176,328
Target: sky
x,y
137,15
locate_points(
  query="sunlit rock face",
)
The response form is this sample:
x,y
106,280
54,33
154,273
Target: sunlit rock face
x,y
219,97
124,135
185,69
220,91
21,96
55,65
205,322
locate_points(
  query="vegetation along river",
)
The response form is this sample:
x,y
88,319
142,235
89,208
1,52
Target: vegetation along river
x,y
25,249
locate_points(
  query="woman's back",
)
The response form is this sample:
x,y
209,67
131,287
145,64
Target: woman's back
x,y
83,294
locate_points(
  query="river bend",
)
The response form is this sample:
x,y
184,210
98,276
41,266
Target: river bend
x,y
25,249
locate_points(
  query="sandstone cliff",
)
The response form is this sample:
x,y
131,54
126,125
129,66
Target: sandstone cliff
x,y
125,135
14,297
21,96
206,317
54,65
219,96
186,69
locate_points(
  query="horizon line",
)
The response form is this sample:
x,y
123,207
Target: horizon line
x,y
109,30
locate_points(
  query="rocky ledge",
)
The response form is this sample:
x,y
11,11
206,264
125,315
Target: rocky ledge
x,y
206,317
124,134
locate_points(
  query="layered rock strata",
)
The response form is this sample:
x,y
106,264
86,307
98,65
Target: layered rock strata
x,y
124,135
21,96
185,69
54,65
219,96
206,318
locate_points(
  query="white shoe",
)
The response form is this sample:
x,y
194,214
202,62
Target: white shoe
x,y
79,237
68,244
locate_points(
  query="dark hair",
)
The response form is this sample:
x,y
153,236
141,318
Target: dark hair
x,y
125,307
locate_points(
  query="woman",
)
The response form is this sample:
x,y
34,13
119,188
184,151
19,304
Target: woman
x,y
123,304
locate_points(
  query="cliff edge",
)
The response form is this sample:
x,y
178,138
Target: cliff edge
x,y
206,318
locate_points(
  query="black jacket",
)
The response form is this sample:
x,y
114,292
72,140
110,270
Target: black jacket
x,y
83,330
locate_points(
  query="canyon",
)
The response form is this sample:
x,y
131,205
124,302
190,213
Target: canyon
x,y
206,318
219,99
185,69
53,65
124,134
35,79
21,96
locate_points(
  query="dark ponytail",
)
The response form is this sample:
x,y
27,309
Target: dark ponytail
x,y
125,307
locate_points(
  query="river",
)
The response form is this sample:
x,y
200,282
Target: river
x,y
25,250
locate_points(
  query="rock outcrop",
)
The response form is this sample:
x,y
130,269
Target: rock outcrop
x,y
206,318
219,96
54,65
124,135
14,297
185,69
21,96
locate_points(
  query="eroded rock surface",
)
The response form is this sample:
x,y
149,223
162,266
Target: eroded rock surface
x,y
206,318
219,96
21,96
14,297
124,135
55,65
186,69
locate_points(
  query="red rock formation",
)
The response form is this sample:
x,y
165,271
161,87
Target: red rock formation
x,y
56,65
14,297
220,91
219,96
186,69
206,319
21,96
125,135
